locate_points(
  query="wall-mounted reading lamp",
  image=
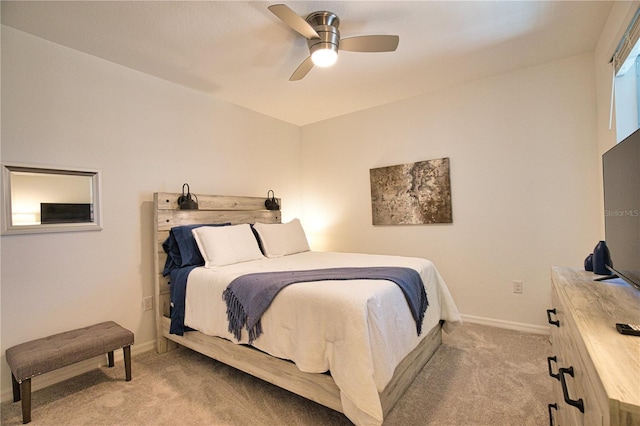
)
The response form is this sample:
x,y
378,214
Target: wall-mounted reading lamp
x,y
271,203
185,201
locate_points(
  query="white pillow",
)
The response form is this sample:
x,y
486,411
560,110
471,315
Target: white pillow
x,y
281,239
225,245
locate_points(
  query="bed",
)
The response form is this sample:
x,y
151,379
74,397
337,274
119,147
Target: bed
x,y
359,365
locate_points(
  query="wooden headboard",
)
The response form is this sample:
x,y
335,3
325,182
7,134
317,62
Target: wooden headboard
x,y
212,209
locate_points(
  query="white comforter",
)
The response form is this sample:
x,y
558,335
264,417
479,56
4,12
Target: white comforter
x,y
359,330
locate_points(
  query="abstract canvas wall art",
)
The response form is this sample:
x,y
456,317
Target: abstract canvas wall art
x,y
412,194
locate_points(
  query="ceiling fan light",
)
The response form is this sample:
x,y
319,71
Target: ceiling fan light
x,y
325,56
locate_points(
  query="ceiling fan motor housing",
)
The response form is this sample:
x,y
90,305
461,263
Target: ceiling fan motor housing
x,y
323,18
326,25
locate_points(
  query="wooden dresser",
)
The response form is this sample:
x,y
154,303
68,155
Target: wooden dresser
x,y
595,369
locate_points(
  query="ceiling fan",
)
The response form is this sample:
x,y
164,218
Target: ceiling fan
x,y
323,38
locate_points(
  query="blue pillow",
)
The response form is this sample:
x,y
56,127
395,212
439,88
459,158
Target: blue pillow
x,y
182,249
255,234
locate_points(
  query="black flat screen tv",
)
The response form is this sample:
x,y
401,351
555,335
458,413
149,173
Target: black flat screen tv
x,y
65,213
621,173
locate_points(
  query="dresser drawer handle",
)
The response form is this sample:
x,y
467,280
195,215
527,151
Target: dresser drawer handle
x,y
554,359
549,312
552,407
576,403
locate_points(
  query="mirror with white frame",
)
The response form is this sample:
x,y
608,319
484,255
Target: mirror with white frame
x,y
49,199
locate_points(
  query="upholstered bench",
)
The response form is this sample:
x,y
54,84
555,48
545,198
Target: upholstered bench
x,y
40,356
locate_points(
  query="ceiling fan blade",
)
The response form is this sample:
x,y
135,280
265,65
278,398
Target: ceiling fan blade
x,y
293,20
302,70
370,43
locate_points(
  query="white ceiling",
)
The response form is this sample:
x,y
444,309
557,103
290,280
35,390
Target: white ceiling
x,y
240,52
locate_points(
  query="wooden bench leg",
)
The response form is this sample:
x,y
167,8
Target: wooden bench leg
x,y
16,388
127,362
25,390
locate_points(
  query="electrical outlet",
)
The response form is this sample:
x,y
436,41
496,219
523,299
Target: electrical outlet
x,y
147,303
517,287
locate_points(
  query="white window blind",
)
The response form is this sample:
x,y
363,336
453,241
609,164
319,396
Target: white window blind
x,y
627,44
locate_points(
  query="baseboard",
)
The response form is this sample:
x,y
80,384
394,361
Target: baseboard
x,y
510,325
61,374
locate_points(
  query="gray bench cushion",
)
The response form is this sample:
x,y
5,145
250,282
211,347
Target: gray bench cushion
x,y
50,353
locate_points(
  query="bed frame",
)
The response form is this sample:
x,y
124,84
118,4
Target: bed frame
x,y
317,387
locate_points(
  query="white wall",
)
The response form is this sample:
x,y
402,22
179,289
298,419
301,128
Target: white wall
x,y
65,108
524,178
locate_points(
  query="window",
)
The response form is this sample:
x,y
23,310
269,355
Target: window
x,y
626,63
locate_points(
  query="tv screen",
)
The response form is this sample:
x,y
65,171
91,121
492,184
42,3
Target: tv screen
x,y
65,213
621,172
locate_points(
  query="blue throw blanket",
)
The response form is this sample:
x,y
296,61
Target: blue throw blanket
x,y
248,296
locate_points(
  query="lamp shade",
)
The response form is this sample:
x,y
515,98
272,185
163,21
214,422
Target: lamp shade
x,y
325,55
185,201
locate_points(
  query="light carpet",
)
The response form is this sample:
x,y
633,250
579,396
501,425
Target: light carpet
x,y
479,376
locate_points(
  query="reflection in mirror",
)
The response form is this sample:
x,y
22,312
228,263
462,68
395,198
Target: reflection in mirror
x,y
41,199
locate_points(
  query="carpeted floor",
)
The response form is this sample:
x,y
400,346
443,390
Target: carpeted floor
x,y
480,376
